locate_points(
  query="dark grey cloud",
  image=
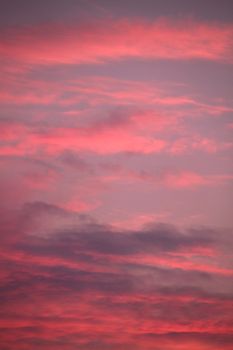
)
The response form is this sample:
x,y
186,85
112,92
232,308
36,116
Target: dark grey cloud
x,y
91,235
73,160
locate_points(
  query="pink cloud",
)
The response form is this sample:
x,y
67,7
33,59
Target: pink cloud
x,y
210,145
172,178
10,131
136,222
107,137
198,143
76,205
190,179
103,142
28,98
162,107
95,42
185,179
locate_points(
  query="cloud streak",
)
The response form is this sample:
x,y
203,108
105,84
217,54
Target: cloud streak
x,y
101,41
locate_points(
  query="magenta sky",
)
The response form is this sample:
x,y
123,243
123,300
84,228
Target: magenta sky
x,y
116,175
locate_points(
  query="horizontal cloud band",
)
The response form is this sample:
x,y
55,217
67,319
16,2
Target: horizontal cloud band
x,y
114,40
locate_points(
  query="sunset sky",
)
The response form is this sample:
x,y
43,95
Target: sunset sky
x,y
116,174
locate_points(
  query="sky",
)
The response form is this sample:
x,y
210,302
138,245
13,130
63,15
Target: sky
x,y
116,175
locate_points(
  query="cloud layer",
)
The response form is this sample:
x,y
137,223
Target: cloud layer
x,y
136,286
114,40
116,175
